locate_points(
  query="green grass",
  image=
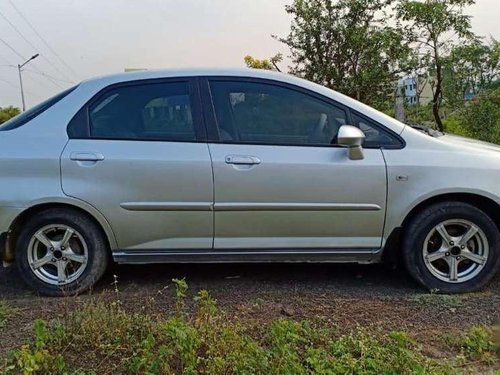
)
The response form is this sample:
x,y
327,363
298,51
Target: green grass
x,y
5,312
102,337
436,300
475,345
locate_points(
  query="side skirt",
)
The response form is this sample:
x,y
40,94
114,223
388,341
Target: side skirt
x,y
248,256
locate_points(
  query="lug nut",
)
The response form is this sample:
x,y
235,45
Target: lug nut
x,y
62,248
462,247
452,243
65,259
53,259
447,254
458,258
51,249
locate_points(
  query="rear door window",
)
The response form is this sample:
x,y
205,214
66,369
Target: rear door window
x,y
153,111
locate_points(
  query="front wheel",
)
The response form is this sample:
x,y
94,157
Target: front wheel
x,y
452,247
60,252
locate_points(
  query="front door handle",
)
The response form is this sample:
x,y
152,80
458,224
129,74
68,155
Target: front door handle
x,y
86,156
242,160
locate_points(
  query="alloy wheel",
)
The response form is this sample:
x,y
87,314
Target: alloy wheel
x,y
57,254
455,251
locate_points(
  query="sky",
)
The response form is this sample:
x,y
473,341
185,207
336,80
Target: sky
x,y
80,39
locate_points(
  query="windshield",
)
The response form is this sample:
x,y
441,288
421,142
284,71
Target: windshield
x,y
33,112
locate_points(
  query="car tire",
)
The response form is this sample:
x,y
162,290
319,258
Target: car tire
x,y
446,261
61,252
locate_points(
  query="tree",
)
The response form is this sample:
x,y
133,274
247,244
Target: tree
x,y
481,118
469,69
433,26
269,64
7,113
348,46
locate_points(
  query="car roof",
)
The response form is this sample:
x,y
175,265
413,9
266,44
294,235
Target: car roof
x,y
193,72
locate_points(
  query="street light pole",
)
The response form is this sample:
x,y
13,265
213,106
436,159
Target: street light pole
x,y
21,84
19,67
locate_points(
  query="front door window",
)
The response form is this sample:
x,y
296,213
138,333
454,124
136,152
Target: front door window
x,y
261,113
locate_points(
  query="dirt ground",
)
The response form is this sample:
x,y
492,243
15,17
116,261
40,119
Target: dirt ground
x,y
346,295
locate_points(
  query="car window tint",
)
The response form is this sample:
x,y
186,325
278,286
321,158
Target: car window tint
x,y
33,112
261,113
158,111
375,136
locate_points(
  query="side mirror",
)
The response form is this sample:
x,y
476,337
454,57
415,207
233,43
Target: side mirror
x,y
351,137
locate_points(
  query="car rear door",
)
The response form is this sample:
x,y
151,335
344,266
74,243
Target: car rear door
x,y
137,153
279,182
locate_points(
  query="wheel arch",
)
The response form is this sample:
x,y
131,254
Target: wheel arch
x,y
486,204
37,207
392,247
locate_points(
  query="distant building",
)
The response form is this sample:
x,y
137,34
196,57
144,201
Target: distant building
x,y
469,95
408,87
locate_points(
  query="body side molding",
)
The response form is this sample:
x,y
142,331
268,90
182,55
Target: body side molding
x,y
247,206
167,206
244,206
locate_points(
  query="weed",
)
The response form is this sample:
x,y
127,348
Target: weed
x,y
6,313
36,357
477,345
181,288
149,358
496,338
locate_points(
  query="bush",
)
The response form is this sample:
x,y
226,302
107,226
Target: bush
x,y
454,125
478,119
420,114
482,117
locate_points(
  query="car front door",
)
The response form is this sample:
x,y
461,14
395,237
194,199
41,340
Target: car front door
x,y
280,180
136,153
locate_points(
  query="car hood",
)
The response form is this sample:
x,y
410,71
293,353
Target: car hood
x,y
470,143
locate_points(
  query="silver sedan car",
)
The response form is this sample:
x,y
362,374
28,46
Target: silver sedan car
x,y
238,166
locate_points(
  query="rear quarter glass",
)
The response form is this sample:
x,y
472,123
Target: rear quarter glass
x,y
33,112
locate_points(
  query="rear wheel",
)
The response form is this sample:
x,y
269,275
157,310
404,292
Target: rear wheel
x,y
61,252
452,247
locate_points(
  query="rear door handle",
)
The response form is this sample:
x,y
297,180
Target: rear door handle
x,y
86,156
242,160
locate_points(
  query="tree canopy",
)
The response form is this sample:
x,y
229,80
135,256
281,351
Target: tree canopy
x,y
433,26
7,113
347,45
469,69
267,64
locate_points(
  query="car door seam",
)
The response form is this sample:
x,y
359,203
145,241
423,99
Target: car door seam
x,y
386,199
60,166
213,194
